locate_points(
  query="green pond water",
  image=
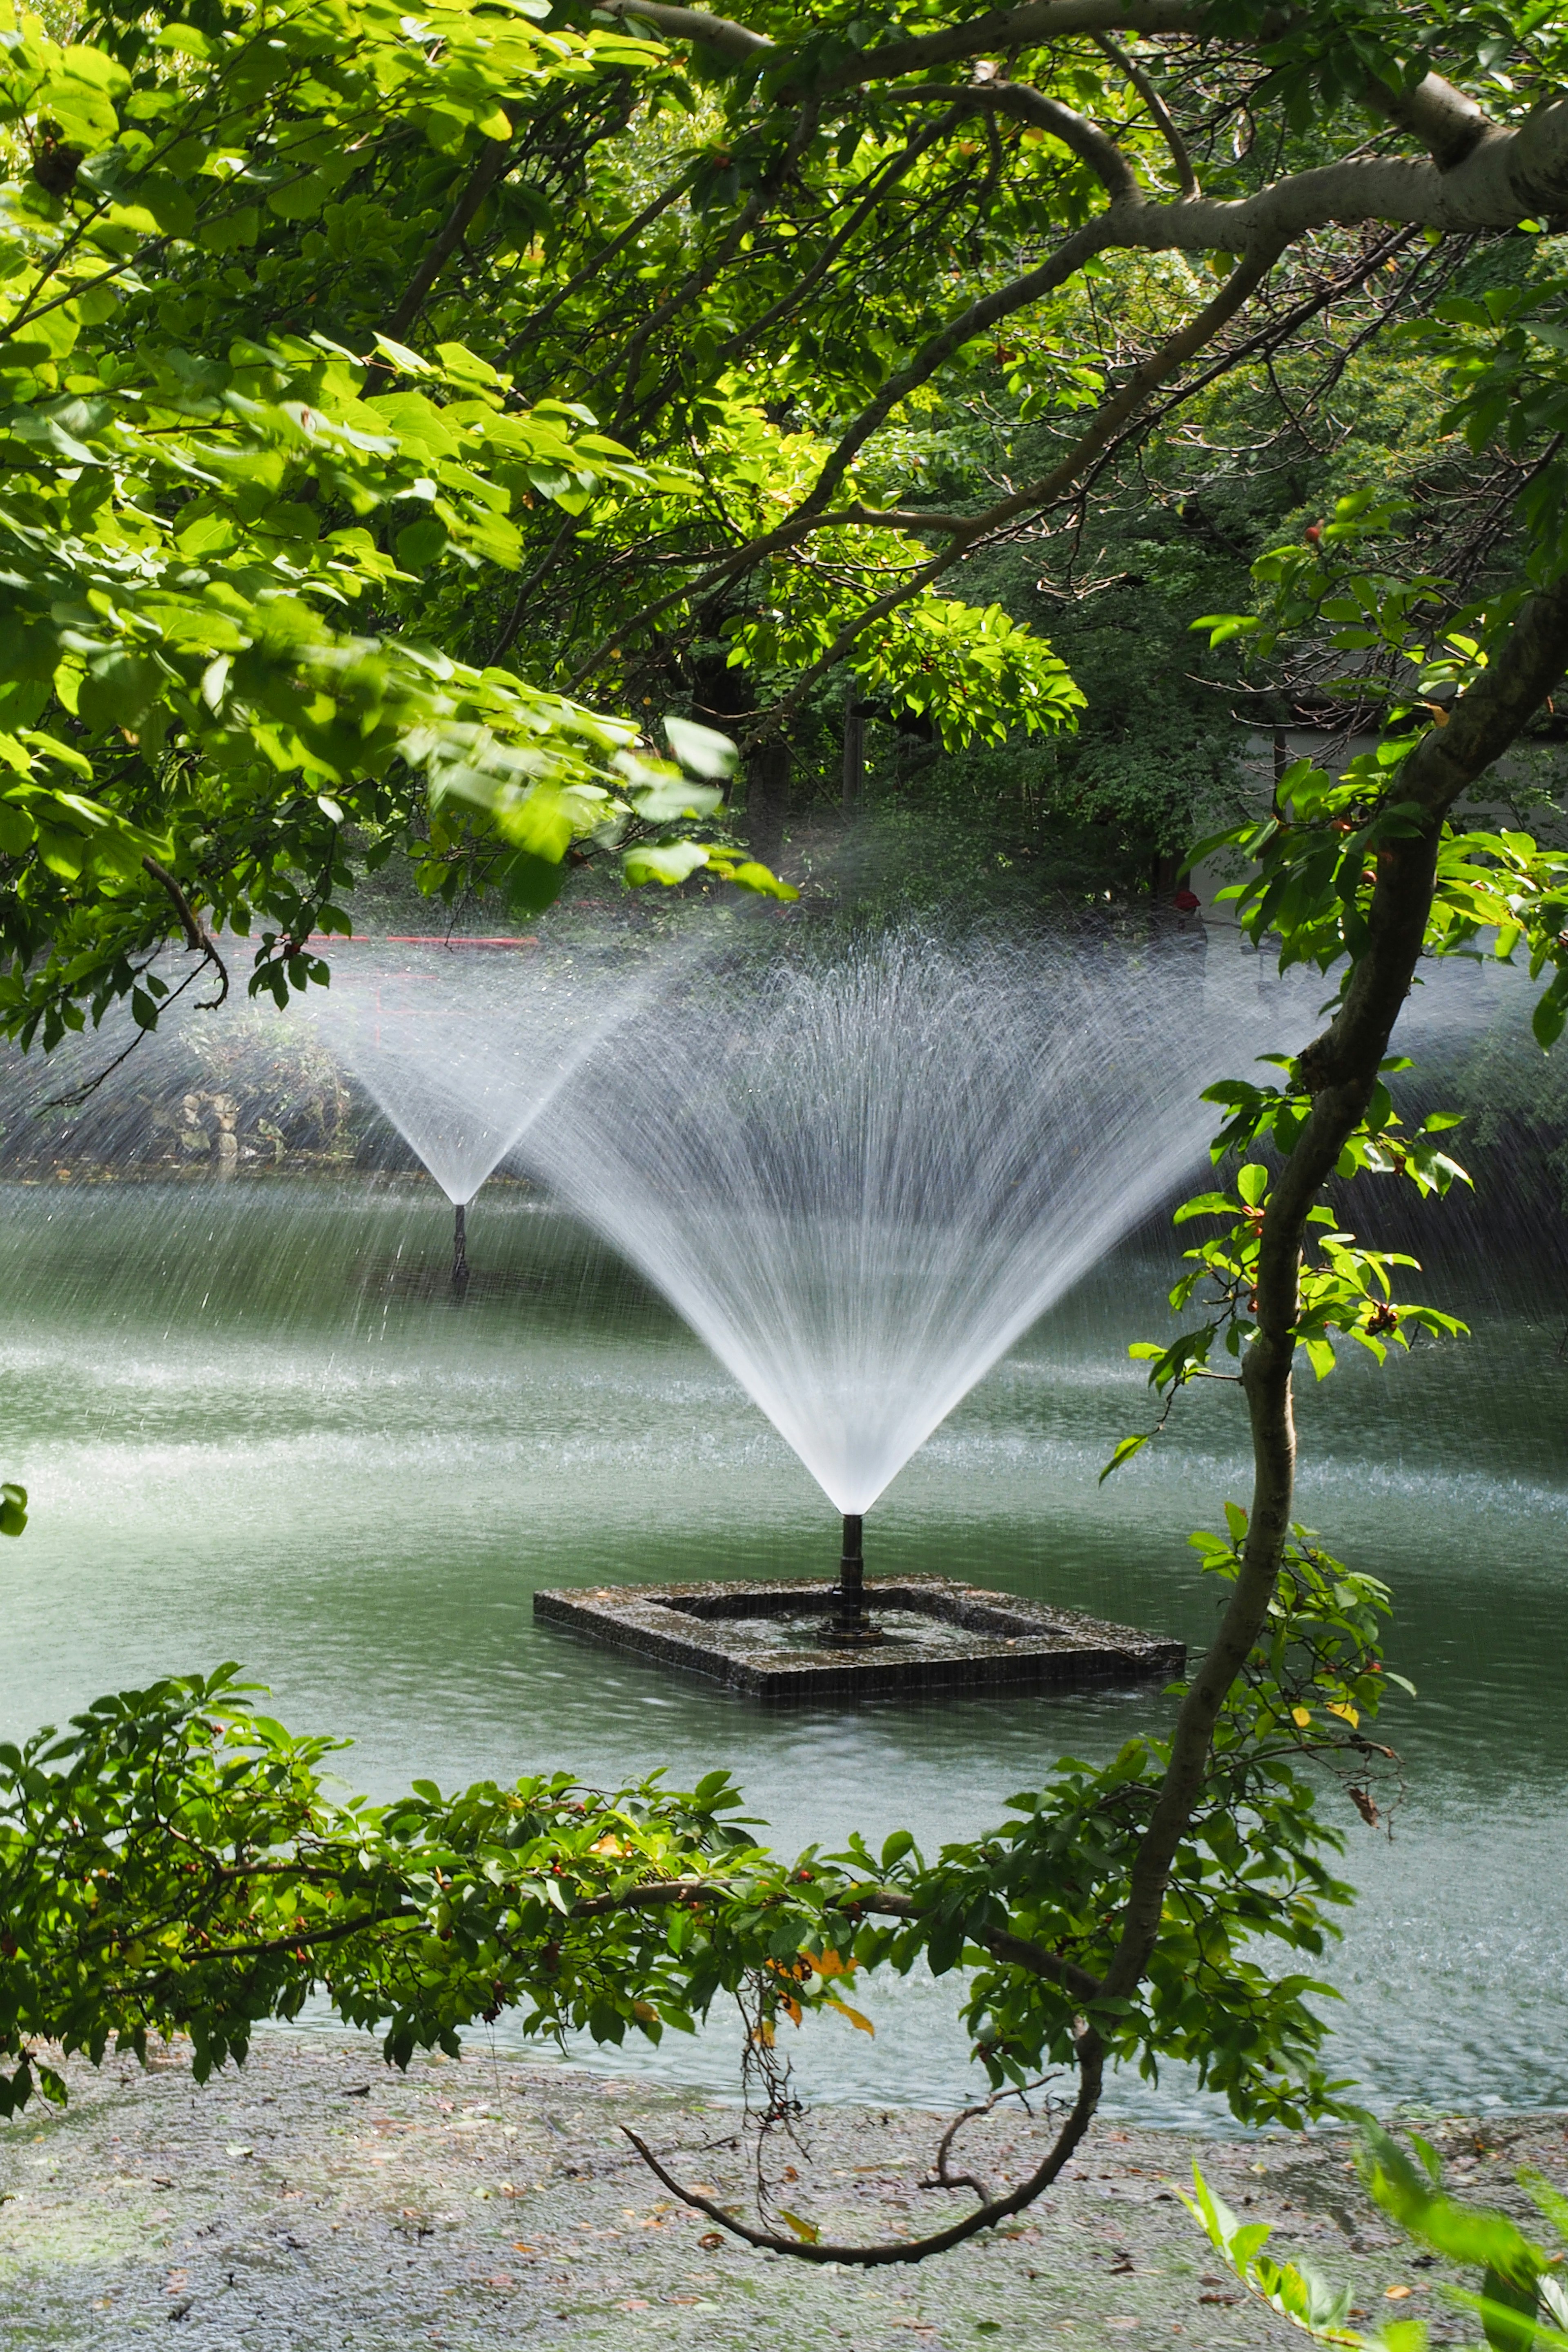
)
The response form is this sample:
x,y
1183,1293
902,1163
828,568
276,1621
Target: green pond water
x,y
243,1441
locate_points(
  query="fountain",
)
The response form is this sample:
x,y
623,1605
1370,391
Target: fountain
x,y
463,1051
860,1178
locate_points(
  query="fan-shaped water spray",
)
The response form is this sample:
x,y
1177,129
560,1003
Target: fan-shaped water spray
x,y
861,1180
463,1046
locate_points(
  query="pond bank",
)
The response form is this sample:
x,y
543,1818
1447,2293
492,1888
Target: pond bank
x,y
318,2202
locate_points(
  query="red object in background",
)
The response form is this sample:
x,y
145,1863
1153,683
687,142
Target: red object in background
x,y
1187,902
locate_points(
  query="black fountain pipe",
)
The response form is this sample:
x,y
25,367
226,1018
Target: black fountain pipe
x,y
459,1252
850,1621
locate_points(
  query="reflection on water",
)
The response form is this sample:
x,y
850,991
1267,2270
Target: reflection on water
x,y
242,1440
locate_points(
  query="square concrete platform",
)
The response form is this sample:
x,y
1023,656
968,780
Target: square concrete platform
x,y
765,1640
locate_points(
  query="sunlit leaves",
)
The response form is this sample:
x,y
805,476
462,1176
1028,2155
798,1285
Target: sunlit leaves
x,y
1521,2303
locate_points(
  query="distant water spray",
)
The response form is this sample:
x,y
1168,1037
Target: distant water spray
x,y
861,1180
463,1048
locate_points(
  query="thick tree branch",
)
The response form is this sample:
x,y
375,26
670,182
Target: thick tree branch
x,y
720,34
1449,125
1340,1068
1025,104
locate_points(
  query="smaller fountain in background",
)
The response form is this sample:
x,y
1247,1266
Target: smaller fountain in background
x,y
463,1046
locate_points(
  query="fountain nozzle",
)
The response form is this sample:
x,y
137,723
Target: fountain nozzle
x,y
459,1251
850,1623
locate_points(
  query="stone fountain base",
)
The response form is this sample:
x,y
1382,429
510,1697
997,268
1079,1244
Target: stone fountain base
x,y
767,1640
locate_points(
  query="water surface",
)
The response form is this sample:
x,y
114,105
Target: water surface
x,y
244,1440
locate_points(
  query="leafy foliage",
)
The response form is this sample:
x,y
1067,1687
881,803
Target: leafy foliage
x,y
212,677
1521,2303
174,1861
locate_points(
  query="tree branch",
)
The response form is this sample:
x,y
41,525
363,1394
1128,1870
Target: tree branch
x,y
633,230
720,34
1085,139
481,179
1342,1066
1449,125
1186,178
197,936
1162,363
986,2216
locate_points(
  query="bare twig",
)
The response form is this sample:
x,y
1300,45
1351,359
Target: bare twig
x,y
940,2177
197,936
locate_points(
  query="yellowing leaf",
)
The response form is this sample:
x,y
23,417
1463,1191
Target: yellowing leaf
x,y
830,1964
1347,1714
608,1844
1301,1716
808,2231
862,2025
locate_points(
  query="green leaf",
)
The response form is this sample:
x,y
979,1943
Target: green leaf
x,y
669,862
532,883
807,2232
699,749
1126,1449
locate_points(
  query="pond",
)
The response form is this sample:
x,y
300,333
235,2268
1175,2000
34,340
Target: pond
x,y
254,1428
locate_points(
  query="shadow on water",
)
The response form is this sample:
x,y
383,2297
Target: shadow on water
x,y
248,1435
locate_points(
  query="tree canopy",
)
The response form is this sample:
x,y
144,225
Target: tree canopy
x,y
388,399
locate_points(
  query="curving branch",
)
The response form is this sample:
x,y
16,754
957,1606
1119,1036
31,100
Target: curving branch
x,y
1340,1069
1108,421
809,515
1090,2056
198,938
1449,125
720,34
1160,113
1025,104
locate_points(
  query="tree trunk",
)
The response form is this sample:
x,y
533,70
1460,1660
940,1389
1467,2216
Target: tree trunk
x,y
767,799
853,752
1340,1070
